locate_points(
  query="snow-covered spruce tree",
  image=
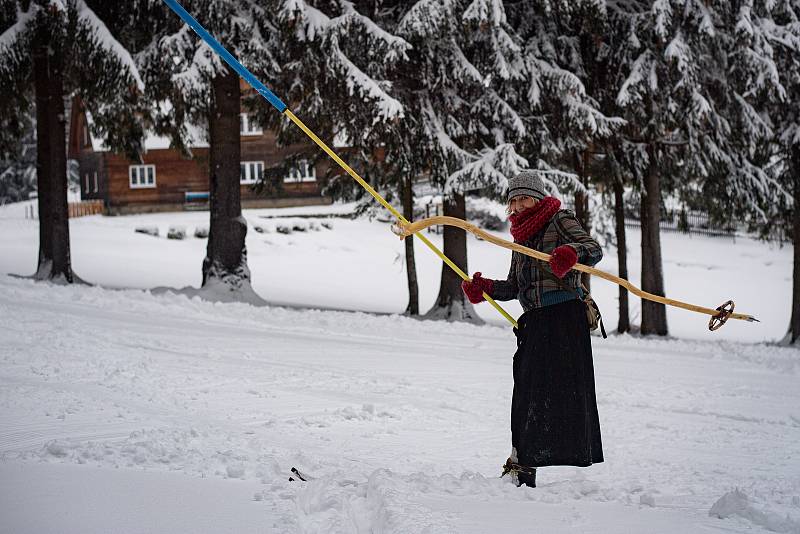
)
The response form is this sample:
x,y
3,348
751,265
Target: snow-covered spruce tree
x,y
778,23
53,48
335,62
395,78
567,58
467,51
735,146
203,91
663,94
740,173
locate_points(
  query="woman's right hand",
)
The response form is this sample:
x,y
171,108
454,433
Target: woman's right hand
x,y
475,288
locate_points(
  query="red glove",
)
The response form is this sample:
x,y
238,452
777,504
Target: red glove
x,y
562,260
474,289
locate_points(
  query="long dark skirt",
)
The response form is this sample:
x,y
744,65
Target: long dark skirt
x,y
554,410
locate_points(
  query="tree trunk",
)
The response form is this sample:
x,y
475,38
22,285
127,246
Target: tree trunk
x,y
226,255
411,265
582,207
624,324
654,315
51,161
794,325
452,304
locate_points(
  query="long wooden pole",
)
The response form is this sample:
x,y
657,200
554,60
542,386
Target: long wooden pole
x,y
406,229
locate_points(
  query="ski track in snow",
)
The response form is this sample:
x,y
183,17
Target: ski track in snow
x,y
402,423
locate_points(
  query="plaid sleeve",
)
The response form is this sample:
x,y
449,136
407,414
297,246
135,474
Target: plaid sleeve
x,y
507,289
573,234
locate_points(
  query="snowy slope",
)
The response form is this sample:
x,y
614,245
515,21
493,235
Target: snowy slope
x,y
142,401
123,411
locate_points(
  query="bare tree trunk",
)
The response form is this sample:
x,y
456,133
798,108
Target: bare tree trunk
x,y
226,255
654,315
794,325
51,162
582,207
624,324
452,304
411,264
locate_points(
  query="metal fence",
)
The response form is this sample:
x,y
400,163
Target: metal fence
x,y
686,222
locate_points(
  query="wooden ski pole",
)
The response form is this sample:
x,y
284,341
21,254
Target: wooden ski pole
x,y
718,316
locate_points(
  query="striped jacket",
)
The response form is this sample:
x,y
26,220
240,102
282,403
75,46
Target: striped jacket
x,y
527,283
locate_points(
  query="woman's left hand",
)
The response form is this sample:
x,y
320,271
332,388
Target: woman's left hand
x,y
562,260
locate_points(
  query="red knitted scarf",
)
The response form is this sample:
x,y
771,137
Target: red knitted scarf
x,y
526,224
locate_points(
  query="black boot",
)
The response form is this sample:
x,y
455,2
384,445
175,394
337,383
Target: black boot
x,y
527,478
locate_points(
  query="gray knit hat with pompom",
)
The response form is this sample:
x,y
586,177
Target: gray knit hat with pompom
x,y
526,183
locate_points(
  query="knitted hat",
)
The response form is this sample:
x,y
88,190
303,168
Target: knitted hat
x,y
526,183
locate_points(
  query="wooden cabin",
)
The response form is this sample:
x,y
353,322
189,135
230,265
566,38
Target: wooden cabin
x,y
166,180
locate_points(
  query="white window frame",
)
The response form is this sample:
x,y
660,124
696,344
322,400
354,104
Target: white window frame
x,y
140,171
247,125
95,180
249,171
304,171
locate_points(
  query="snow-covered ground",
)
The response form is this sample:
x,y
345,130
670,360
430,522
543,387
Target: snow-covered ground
x,y
124,411
359,265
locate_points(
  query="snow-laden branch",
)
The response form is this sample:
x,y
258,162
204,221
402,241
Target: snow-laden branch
x,y
427,18
107,41
309,21
13,34
491,169
344,24
677,50
389,107
465,67
434,130
485,12
640,71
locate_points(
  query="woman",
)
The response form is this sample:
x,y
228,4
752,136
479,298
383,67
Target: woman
x,y
553,409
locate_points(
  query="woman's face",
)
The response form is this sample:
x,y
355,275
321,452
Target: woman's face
x,y
519,204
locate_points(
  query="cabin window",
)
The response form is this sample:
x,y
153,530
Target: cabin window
x,y
95,182
87,182
142,176
248,125
251,171
304,171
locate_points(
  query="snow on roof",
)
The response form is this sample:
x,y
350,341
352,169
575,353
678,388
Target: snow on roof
x,y
196,138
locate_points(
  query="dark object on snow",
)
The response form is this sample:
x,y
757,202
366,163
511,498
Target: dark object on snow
x,y
176,232
149,230
299,475
283,229
201,232
554,417
299,228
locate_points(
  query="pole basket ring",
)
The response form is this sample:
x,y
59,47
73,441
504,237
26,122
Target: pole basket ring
x,y
722,317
